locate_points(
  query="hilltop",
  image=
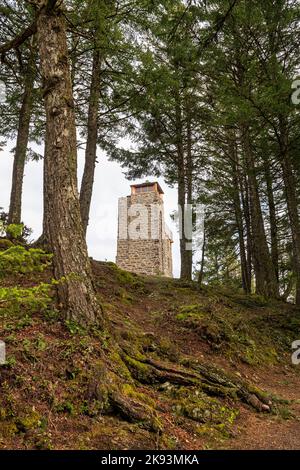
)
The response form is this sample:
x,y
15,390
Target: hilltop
x,y
201,368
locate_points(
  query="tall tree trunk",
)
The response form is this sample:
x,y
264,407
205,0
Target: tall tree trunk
x,y
186,269
273,217
91,145
189,182
266,282
71,263
44,240
292,201
244,191
246,280
201,272
15,206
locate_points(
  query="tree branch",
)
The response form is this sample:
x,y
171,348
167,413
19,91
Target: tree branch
x,y
219,25
20,39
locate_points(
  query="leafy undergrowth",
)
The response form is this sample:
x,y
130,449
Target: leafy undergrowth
x,y
192,365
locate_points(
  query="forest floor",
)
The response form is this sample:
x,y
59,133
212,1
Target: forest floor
x,y
45,398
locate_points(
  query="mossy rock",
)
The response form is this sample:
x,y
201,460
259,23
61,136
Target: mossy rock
x,y
201,408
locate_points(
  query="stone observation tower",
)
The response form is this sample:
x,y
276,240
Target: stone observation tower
x,y
144,240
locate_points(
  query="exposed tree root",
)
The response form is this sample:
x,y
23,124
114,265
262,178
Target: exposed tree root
x,y
115,384
216,380
211,380
110,393
135,411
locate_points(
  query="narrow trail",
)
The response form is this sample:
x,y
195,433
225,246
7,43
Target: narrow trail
x,y
252,430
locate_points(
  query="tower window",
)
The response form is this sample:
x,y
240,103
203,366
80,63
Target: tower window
x,y
144,189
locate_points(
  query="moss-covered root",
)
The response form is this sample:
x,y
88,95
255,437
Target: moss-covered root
x,y
135,411
216,380
211,380
112,393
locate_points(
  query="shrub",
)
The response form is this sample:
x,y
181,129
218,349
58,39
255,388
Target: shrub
x,y
15,260
19,232
18,259
17,299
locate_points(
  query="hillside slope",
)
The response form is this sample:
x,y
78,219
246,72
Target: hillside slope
x,y
213,369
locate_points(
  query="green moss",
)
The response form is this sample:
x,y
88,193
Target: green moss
x,y
5,244
140,371
168,442
65,407
96,387
215,432
43,442
120,366
249,301
284,413
190,312
254,337
199,407
17,259
204,430
28,422
126,278
167,348
8,429
131,392
3,414
124,295
93,408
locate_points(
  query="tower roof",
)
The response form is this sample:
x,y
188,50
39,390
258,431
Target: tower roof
x,y
148,183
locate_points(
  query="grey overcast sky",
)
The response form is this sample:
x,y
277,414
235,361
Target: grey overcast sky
x,y
110,184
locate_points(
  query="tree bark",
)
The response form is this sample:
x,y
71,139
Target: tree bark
x,y
246,279
244,191
273,217
186,269
189,183
15,206
91,145
266,282
44,239
201,272
185,258
292,201
71,263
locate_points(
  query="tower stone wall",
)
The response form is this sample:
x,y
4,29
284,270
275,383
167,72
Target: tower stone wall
x,y
144,240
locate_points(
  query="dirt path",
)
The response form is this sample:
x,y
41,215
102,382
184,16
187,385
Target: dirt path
x,y
154,311
253,430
